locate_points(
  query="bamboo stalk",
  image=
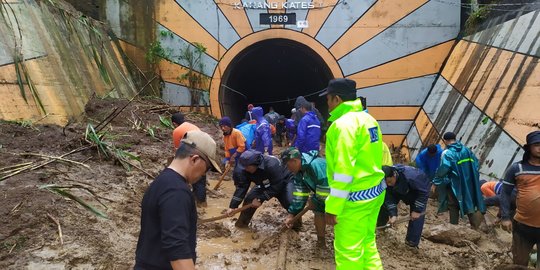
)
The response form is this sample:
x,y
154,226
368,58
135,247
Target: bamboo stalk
x,y
13,247
107,121
20,168
59,228
31,168
57,158
15,166
227,215
282,252
140,169
15,208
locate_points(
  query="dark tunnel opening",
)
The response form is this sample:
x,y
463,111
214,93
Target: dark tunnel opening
x,y
273,73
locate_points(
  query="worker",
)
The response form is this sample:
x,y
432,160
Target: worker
x,y
458,177
248,116
298,114
524,176
168,234
291,131
234,141
271,179
272,116
429,159
281,131
491,190
411,186
263,133
357,186
181,128
309,178
308,132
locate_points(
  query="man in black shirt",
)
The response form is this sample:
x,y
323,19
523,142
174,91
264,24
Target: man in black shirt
x,y
167,239
271,179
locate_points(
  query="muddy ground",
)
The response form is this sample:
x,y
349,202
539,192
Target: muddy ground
x,y
29,237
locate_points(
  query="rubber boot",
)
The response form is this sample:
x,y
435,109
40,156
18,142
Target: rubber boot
x,y
245,218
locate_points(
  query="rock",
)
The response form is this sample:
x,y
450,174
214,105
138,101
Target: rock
x,y
452,235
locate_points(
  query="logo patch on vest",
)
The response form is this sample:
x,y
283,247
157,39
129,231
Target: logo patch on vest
x,y
373,134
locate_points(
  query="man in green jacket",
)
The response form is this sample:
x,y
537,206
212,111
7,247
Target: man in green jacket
x,y
353,156
310,177
458,175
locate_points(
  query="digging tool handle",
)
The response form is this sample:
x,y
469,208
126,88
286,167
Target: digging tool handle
x,y
399,220
227,215
227,168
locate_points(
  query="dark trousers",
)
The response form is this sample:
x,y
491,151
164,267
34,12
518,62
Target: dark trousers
x,y
523,239
414,230
475,219
284,197
199,189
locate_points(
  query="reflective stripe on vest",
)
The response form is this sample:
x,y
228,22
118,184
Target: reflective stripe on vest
x,y
465,160
368,194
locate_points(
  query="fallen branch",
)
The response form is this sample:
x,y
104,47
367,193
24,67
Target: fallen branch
x,y
59,228
227,215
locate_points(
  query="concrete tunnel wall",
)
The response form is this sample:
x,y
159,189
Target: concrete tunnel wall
x,y
51,47
488,92
392,49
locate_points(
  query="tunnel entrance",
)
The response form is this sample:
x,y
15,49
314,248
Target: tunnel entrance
x,y
273,73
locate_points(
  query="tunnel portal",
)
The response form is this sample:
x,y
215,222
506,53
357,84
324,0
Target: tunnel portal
x,y
273,73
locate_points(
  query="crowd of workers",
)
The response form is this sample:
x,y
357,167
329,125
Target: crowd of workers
x,y
355,187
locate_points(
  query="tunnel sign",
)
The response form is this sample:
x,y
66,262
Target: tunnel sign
x,y
274,18
276,5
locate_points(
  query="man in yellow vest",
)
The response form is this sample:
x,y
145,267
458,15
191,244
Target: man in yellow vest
x,y
354,155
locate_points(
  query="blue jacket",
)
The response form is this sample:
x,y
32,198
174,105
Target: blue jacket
x,y
248,130
412,187
459,169
308,133
429,164
263,133
291,128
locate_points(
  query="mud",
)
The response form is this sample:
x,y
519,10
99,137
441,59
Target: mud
x,y
29,238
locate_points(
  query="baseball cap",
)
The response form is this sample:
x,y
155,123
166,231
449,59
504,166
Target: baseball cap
x,y
533,137
340,86
205,144
290,153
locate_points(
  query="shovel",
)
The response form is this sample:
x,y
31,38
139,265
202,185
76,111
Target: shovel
x,y
398,221
226,215
227,168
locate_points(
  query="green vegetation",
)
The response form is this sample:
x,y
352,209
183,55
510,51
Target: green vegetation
x,y
476,17
196,81
62,191
108,149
